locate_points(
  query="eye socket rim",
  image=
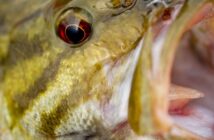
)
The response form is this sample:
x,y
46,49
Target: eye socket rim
x,y
62,17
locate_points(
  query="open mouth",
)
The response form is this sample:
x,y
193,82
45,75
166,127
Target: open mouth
x,y
192,111
191,108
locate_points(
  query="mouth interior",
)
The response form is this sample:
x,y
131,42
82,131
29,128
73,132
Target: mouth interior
x,y
188,114
188,71
195,116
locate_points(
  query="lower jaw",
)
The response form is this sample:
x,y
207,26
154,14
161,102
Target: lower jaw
x,y
194,120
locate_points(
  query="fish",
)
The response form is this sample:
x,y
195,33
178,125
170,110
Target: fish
x,y
80,69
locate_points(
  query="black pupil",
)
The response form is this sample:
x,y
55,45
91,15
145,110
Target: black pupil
x,y
75,34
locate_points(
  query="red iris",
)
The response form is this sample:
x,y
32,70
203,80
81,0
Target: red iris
x,y
74,33
73,29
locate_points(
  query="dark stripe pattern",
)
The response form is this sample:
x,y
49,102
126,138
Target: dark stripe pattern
x,y
50,120
20,102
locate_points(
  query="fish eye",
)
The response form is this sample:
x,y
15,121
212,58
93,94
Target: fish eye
x,y
74,26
